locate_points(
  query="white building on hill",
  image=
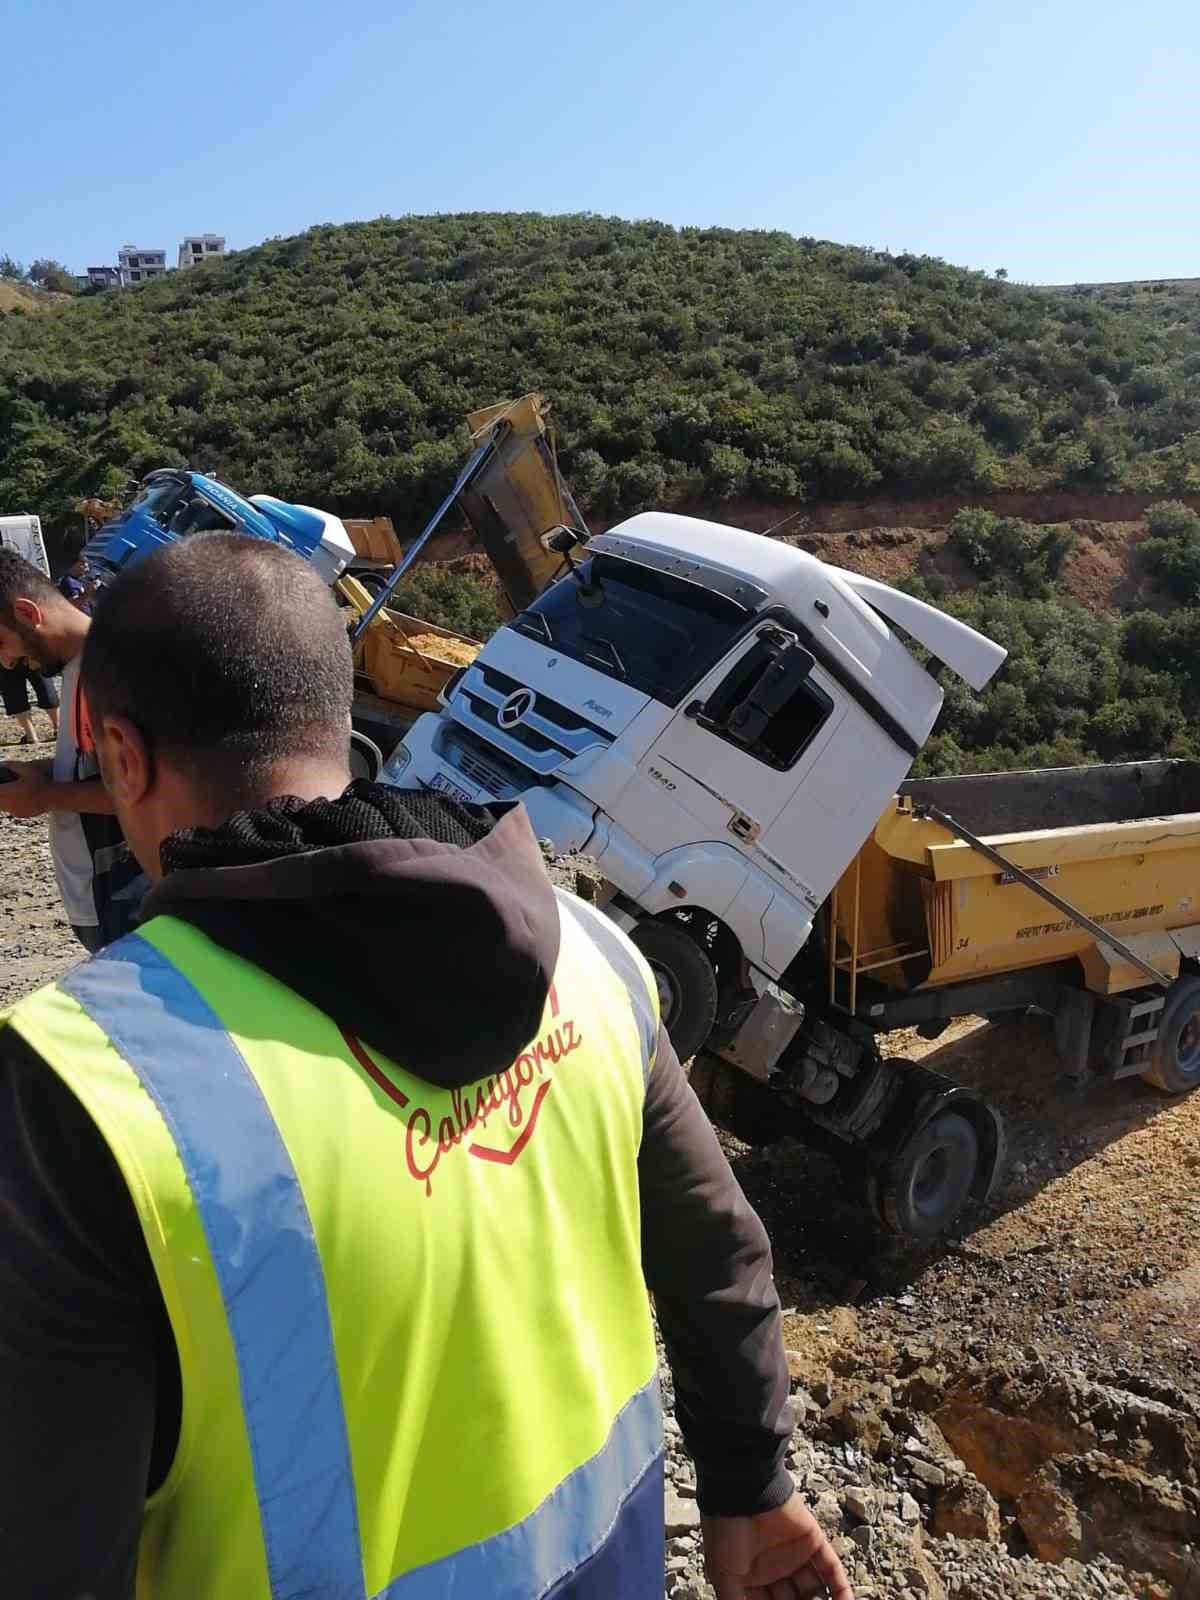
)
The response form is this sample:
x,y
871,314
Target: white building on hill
x,y
201,247
137,265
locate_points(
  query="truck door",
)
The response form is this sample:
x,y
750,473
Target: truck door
x,y
735,755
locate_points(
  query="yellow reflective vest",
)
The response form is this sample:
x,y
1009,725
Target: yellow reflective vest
x,y
415,1344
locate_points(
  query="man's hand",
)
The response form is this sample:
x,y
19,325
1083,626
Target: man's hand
x,y
778,1555
28,795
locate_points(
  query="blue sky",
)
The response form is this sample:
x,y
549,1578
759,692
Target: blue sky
x,y
1060,140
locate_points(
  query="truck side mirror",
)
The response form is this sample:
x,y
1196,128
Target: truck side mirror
x,y
784,673
562,540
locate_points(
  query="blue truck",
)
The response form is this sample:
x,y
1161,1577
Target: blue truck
x,y
172,503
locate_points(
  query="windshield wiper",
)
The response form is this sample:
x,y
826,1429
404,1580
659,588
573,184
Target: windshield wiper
x,y
527,618
611,648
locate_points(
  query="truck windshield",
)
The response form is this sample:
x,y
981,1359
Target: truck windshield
x,y
159,499
655,632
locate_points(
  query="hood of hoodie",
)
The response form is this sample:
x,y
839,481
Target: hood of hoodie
x,y
428,929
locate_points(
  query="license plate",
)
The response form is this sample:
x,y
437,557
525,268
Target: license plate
x,y
454,790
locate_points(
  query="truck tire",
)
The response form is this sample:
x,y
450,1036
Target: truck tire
x,y
1175,1054
366,758
928,1182
687,984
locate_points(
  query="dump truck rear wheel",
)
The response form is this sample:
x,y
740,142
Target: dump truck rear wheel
x,y
1175,1056
926,1184
687,984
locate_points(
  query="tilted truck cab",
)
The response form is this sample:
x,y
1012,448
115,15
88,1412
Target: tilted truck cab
x,y
716,718
725,725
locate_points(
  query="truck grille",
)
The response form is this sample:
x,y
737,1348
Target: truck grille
x,y
548,736
486,767
481,772
562,716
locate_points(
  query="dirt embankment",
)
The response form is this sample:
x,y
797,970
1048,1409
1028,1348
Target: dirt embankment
x,y
27,297
936,511
889,539
1103,570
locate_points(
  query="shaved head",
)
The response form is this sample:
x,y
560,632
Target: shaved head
x,y
228,655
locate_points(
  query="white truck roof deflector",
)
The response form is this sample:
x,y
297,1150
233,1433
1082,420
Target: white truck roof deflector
x,y
973,657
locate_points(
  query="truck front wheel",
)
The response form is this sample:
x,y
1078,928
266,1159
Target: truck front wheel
x,y
925,1185
1175,1056
687,984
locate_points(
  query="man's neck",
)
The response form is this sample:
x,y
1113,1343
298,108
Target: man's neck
x,y
69,635
304,779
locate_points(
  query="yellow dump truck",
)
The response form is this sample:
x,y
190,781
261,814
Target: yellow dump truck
x,y
923,907
1074,892
517,498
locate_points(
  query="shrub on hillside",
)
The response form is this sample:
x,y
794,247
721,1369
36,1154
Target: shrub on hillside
x,y
1172,552
1029,556
1170,519
449,599
1146,385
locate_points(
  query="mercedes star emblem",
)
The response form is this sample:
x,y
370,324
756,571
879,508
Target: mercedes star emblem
x,y
518,705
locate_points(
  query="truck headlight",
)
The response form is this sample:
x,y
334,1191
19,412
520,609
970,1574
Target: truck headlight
x,y
397,763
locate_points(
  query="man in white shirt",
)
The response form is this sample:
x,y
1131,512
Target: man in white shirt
x,y
100,883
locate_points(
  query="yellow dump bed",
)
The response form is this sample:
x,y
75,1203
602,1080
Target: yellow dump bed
x,y
920,908
405,660
515,498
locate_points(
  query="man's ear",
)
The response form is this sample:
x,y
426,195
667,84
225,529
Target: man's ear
x,y
125,763
28,612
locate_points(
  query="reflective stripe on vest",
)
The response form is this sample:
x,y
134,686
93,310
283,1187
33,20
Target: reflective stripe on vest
x,y
251,1202
261,1241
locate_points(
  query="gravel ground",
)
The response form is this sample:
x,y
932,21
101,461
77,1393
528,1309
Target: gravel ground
x,y
1012,1413
36,941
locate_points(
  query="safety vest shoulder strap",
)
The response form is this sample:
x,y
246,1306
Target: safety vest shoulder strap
x,y
628,965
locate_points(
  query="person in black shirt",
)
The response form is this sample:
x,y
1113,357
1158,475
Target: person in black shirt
x,y
15,683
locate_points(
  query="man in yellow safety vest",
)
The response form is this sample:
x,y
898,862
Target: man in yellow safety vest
x,y
329,1198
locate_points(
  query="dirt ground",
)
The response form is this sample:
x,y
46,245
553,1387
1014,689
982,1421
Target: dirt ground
x,y
1032,1344
1040,1365
1090,1248
36,941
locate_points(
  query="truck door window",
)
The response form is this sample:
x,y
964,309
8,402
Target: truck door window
x,y
788,733
197,516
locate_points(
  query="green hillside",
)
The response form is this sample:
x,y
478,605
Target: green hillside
x,y
336,368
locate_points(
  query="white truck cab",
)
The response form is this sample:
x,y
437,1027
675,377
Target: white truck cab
x,y
719,720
